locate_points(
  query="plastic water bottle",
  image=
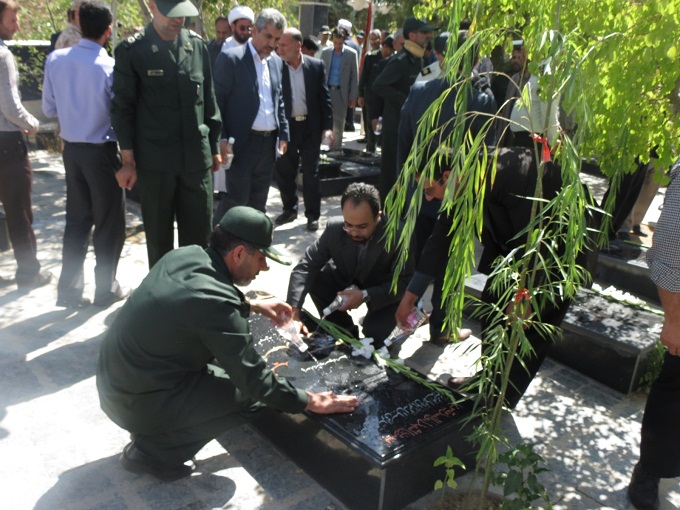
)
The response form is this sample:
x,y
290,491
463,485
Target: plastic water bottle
x,y
290,332
378,127
414,320
337,302
230,154
326,143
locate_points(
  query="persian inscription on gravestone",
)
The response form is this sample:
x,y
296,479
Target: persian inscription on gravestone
x,y
395,412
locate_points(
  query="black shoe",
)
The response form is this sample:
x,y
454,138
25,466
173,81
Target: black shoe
x,y
34,281
106,300
313,225
74,304
136,461
643,490
456,383
286,217
362,140
638,231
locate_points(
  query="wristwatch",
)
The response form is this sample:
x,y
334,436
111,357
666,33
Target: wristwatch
x,y
367,298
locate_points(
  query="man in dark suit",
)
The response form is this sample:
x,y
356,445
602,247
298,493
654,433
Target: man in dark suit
x,y
248,91
309,114
222,31
352,251
343,68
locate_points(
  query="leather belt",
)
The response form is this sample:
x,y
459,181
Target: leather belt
x,y
300,118
263,133
334,87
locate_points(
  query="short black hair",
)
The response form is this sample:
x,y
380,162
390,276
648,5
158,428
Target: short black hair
x,y
339,32
221,18
95,18
442,161
359,192
223,242
310,43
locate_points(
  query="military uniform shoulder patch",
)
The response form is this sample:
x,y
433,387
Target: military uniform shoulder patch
x,y
136,37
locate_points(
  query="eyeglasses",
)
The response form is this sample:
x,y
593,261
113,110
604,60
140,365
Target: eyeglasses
x,y
354,228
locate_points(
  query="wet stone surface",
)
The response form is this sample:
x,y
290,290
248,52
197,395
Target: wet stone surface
x,y
395,413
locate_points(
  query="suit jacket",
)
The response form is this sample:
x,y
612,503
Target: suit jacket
x,y
336,248
146,112
236,89
319,109
349,72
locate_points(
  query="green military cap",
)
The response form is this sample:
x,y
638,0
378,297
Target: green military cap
x,y
254,227
177,8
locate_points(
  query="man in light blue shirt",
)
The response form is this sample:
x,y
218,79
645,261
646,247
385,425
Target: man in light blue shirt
x,y
77,90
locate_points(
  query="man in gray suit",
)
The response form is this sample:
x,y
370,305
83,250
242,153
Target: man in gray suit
x,y
343,71
351,251
248,90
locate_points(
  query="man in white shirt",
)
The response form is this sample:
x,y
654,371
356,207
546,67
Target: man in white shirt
x,y
249,95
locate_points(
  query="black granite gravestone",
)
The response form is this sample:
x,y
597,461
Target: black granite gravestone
x,y
379,457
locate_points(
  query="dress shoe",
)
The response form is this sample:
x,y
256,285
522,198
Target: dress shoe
x,y
643,490
638,231
74,304
105,300
362,140
313,225
136,461
285,217
456,383
34,281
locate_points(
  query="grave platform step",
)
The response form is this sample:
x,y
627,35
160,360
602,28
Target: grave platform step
x,y
380,457
608,341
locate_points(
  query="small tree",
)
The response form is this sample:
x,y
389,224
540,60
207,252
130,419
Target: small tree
x,y
590,54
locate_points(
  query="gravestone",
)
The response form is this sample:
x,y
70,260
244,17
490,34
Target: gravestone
x,y
378,457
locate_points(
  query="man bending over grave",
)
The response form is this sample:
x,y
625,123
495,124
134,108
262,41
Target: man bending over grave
x,y
155,375
352,252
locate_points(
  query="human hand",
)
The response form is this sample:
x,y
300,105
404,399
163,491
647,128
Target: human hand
x,y
31,132
352,103
225,147
274,309
283,147
353,299
329,134
360,101
216,162
670,337
406,306
328,403
127,176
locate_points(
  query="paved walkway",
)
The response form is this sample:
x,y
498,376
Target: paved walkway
x,y
59,451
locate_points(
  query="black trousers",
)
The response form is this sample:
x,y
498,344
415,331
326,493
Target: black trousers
x,y
16,177
378,323
522,375
250,175
302,148
659,447
93,198
366,117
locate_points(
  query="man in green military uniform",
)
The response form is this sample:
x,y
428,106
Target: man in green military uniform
x,y
155,377
167,123
393,85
